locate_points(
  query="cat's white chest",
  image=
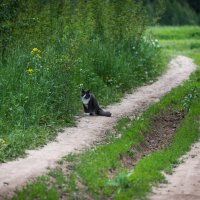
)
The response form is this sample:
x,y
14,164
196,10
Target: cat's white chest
x,y
85,101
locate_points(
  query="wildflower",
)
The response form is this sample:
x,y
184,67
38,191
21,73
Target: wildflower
x,y
35,50
29,71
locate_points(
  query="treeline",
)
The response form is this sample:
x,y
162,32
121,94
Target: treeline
x,y
175,12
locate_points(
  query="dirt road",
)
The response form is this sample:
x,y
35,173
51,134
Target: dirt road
x,y
184,183
16,173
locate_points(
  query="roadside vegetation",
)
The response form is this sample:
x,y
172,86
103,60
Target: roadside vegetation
x,y
49,50
124,166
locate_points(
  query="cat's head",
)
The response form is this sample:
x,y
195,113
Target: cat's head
x,y
85,94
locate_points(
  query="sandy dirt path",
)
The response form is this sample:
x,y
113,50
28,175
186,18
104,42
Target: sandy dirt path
x,y
15,174
184,183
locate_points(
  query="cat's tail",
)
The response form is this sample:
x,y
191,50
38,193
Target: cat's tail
x,y
104,113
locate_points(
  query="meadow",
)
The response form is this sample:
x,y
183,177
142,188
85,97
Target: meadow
x,y
49,51
89,174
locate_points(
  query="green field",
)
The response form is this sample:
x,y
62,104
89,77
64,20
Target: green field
x,y
176,40
89,174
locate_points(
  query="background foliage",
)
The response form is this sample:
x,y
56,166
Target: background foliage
x,y
175,12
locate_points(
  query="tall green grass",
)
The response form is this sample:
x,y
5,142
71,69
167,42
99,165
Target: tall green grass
x,y
55,49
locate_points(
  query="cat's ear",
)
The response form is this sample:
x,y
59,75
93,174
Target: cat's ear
x,y
88,91
82,92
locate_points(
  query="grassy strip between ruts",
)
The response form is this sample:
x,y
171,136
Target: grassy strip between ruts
x,y
86,175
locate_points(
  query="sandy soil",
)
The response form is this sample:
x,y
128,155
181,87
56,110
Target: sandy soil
x,y
15,174
184,183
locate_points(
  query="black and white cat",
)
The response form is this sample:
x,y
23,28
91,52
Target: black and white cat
x,y
91,105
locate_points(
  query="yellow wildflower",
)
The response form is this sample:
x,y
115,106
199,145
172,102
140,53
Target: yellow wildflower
x,y
35,50
29,71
